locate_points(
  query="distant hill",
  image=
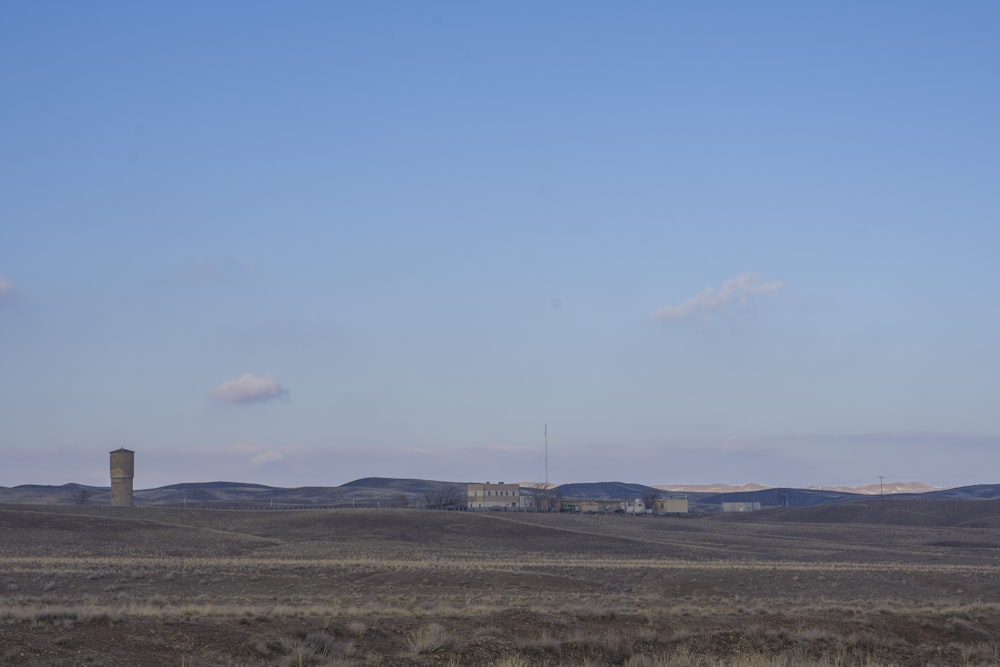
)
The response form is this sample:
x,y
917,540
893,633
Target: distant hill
x,y
603,490
891,510
864,489
780,497
368,492
975,492
65,494
411,486
882,489
710,488
217,485
394,492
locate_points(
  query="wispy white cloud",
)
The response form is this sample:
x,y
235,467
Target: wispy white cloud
x,y
255,455
6,288
237,449
267,457
734,290
245,450
249,389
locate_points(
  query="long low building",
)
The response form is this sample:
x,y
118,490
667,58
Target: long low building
x,y
507,497
636,506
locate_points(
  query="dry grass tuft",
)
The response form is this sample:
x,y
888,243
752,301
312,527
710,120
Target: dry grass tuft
x,y
431,638
357,628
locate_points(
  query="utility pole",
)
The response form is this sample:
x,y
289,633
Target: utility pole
x,y
880,480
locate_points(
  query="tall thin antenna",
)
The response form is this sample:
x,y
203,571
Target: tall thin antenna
x,y
546,456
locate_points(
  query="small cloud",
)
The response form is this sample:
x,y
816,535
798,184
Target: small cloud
x,y
267,457
249,389
736,289
6,288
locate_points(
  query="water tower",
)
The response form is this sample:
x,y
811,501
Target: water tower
x,y
122,472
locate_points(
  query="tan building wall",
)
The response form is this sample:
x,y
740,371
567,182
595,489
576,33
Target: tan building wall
x,y
494,496
672,505
598,506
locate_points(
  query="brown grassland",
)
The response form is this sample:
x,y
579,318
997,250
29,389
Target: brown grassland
x,y
157,586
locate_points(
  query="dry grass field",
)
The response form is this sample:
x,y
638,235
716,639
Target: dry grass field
x,y
889,584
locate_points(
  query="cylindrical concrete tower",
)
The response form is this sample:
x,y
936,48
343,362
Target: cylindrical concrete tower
x,y
122,472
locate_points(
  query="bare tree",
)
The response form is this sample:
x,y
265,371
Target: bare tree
x,y
547,498
540,493
446,497
453,499
649,498
81,497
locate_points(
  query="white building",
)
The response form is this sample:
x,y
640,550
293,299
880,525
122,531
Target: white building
x,y
635,507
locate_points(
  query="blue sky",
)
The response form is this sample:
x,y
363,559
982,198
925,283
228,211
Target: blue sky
x,y
303,243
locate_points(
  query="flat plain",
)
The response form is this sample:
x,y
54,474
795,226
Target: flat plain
x,y
879,582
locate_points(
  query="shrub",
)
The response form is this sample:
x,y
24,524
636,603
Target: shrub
x,y
323,643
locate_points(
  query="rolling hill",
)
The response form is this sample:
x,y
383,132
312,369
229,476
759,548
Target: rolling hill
x,y
368,492
395,492
933,512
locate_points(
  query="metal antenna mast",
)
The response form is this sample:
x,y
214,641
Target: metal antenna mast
x,y
546,456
